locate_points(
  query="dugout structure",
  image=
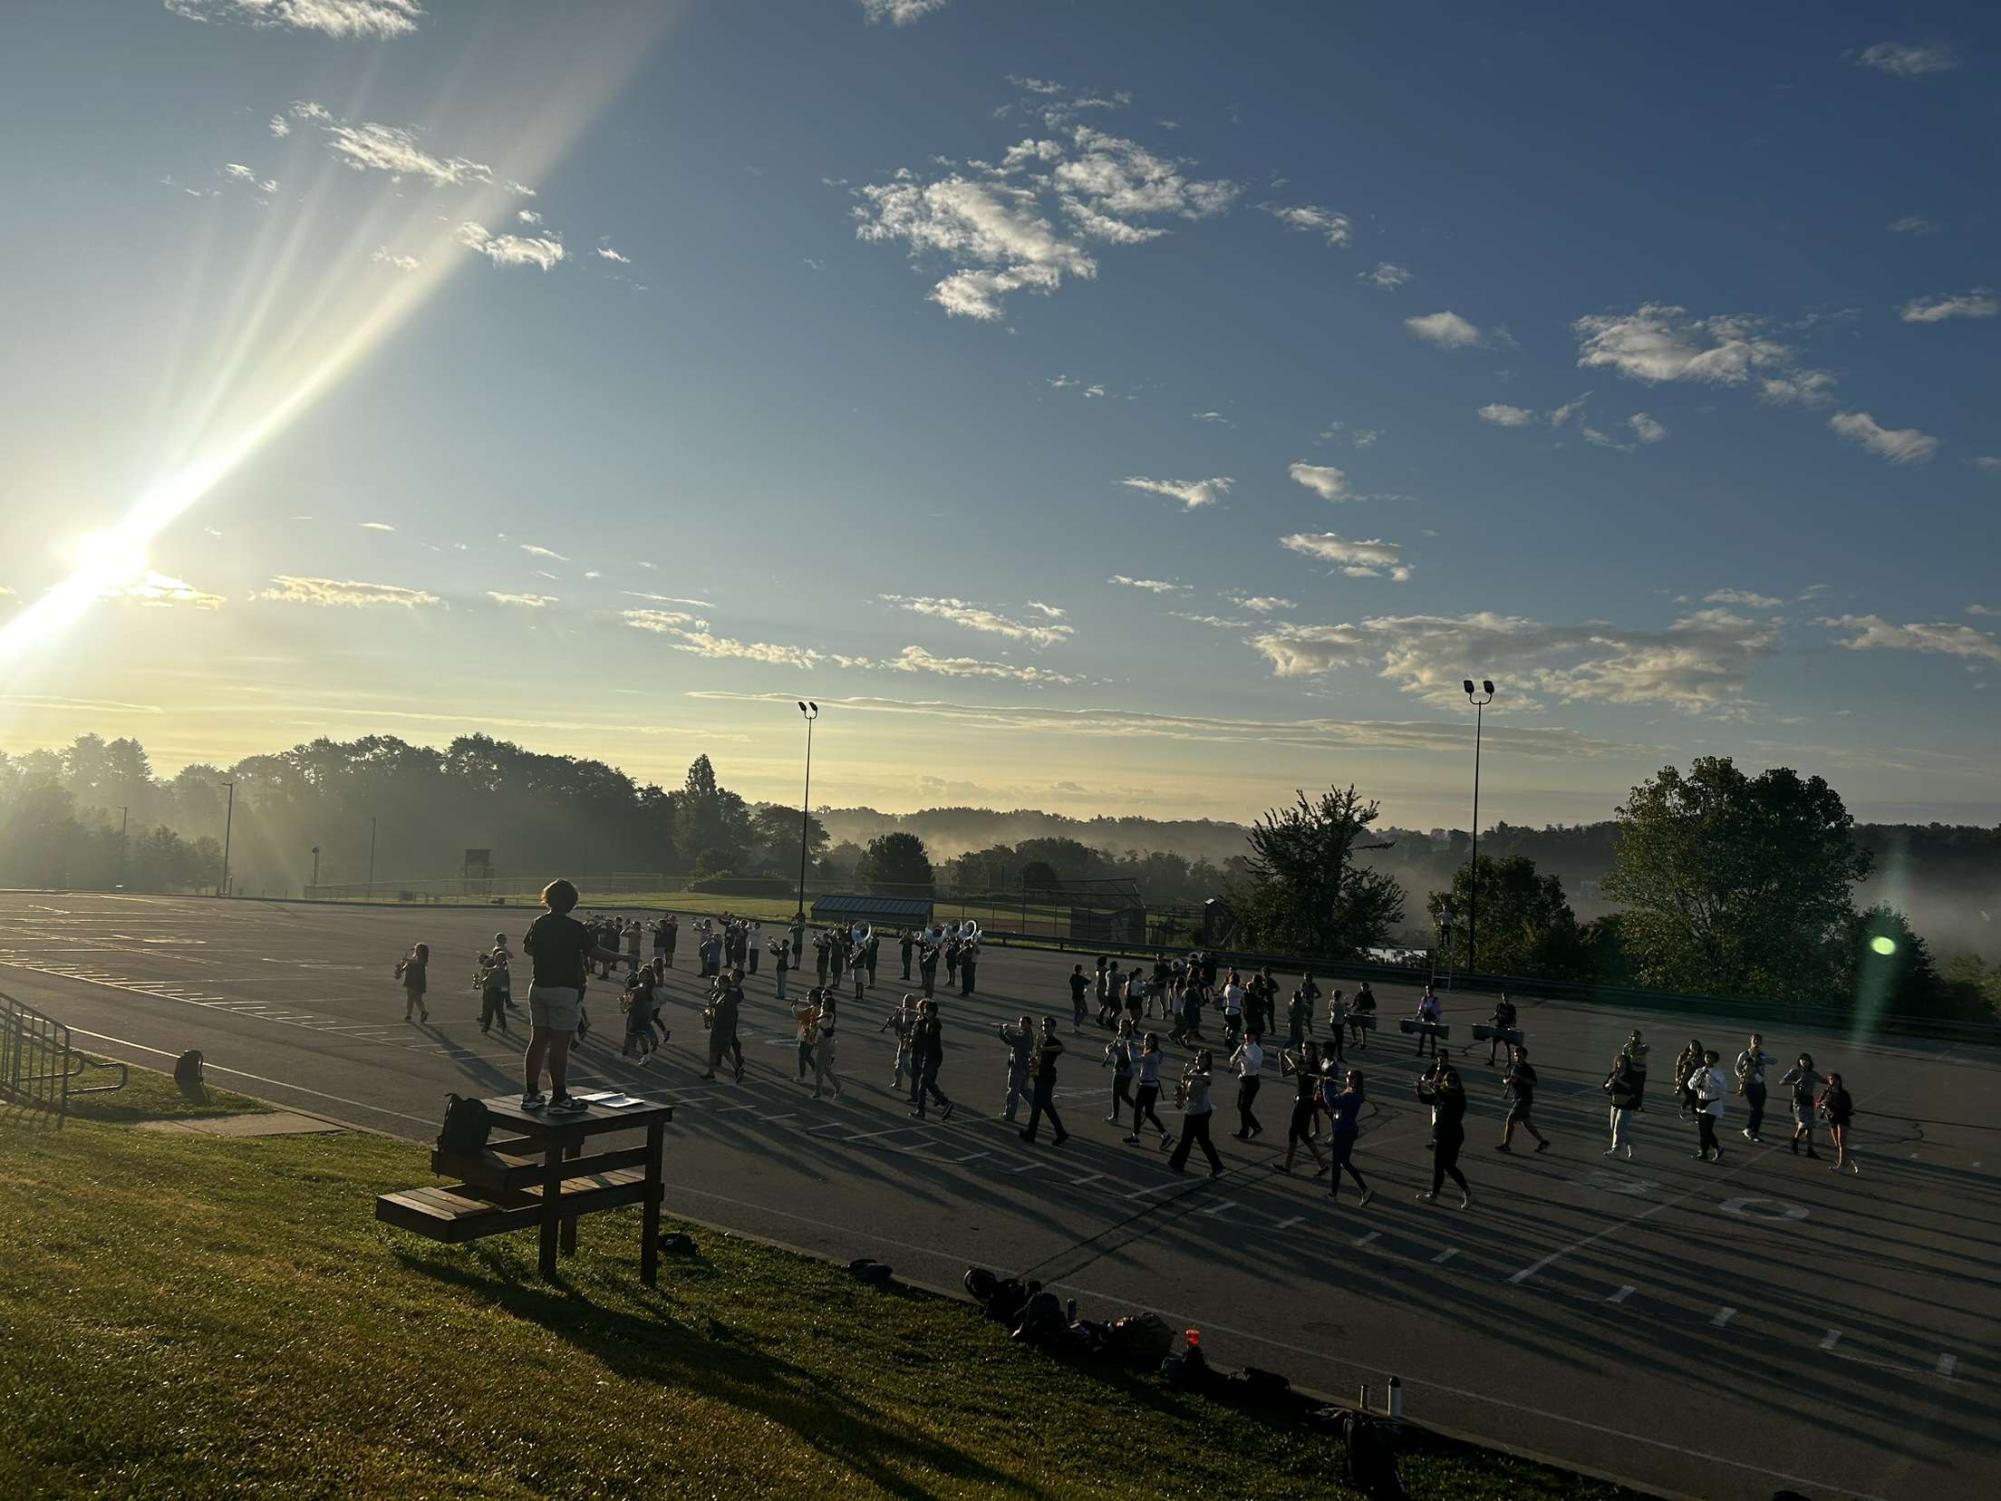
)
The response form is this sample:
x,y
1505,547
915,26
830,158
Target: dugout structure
x,y
1107,911
891,912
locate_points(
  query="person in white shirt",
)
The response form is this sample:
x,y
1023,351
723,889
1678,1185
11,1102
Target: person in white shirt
x,y
1249,1062
1751,1065
1708,1089
1195,1112
1233,1009
1427,1013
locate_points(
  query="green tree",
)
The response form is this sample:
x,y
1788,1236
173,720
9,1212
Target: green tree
x,y
895,861
1038,876
1526,925
1305,893
1736,885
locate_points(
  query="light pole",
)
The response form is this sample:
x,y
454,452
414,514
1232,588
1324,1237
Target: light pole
x,y
124,818
228,822
316,868
1479,701
371,857
810,711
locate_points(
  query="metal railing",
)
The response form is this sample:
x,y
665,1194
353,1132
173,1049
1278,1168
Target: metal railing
x,y
38,1067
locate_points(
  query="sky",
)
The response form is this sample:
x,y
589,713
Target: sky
x,y
1128,408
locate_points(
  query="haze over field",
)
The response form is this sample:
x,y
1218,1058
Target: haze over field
x,y
1092,426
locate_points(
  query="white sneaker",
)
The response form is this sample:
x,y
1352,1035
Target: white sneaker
x,y
533,1101
1426,1198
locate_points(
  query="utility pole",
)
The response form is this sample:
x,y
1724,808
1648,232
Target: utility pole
x,y
810,711
371,857
124,817
228,822
1479,703
316,871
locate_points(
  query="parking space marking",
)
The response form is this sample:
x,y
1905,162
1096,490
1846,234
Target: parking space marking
x,y
1445,1255
1723,1316
1625,1291
1946,1364
1830,1339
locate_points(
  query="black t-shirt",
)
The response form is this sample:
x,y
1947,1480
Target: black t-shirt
x,y
1522,1082
1450,1098
1047,1051
558,944
1078,985
930,1041
413,975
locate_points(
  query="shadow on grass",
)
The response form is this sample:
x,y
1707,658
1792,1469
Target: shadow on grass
x,y
720,1363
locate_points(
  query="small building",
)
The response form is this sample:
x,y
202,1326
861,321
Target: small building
x,y
890,912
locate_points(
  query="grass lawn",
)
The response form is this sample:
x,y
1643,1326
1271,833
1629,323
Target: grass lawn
x,y
187,1316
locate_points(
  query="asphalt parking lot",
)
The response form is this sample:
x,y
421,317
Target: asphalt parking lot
x,y
1709,1330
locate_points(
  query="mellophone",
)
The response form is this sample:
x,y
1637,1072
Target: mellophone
x,y
1485,1032
1412,1027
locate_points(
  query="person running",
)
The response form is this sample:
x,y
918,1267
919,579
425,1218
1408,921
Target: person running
x,y
725,1041
930,1051
1707,1089
1803,1081
1621,1093
1361,1015
1345,1109
1750,1070
1020,1040
823,1049
1080,986
559,947
1521,1081
1503,1020
494,984
1428,1013
1122,1053
1146,1091
1048,1048
1302,1064
1249,1062
413,970
1446,1095
1195,1112
1838,1110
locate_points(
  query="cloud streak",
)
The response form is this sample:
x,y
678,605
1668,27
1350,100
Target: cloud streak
x,y
296,589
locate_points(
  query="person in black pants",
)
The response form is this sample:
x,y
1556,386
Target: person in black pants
x,y
967,961
903,946
1079,984
1447,1096
928,1046
1303,1064
1048,1048
1196,1110
1146,1083
1249,1061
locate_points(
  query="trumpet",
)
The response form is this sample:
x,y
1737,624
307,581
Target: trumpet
x,y
1185,1083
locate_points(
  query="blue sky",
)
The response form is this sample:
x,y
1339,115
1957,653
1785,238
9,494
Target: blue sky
x,y
1104,407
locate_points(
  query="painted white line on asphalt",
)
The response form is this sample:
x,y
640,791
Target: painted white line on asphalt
x,y
1363,1240
1723,1316
1622,1294
1830,1339
1297,1219
890,1131
1157,1188
969,1157
1626,1224
1946,1363
1445,1255
1087,1178
1215,1209
790,1115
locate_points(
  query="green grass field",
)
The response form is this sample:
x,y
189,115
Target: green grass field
x,y
186,1317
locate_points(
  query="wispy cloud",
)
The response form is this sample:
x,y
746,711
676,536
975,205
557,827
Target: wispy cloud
x,y
1909,59
1323,480
671,599
605,252
1874,633
1744,597
541,552
152,588
371,147
1913,224
384,256
980,618
263,187
1979,303
525,601
917,659
1051,612
1358,559
280,126
1801,388
377,526
294,589
898,12
1645,428
1334,228
338,18
1502,415
1264,604
1191,493
1386,275
1446,329
1149,586
540,251
1657,342
1900,445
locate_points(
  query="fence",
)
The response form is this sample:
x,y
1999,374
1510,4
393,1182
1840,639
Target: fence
x,y
38,1066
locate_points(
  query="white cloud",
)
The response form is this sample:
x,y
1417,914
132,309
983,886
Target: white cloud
x,y
152,588
702,644
1874,633
1357,559
1801,388
384,256
1334,228
1909,59
1742,597
528,216
1052,612
1218,622
662,622
369,147
605,252
1150,586
898,12
1323,480
1212,417
525,601
377,526
1191,493
293,589
1447,329
1645,428
339,18
1264,604
1502,415
996,227
1569,409
917,659
237,172
1979,303
1912,224
541,552
1900,445
1699,662
1987,464
980,618
1661,343
540,251
1387,275
280,126
1982,610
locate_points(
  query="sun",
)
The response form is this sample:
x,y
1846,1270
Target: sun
x,y
110,559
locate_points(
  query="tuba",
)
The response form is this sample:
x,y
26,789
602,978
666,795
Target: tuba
x,y
968,931
860,934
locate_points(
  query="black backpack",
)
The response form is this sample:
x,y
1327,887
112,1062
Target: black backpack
x,y
187,1069
467,1125
1370,1461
